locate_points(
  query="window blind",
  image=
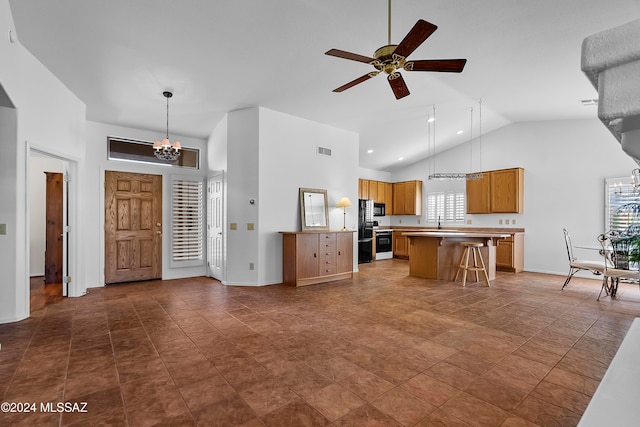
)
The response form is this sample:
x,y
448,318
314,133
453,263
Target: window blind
x,y
187,240
445,207
622,205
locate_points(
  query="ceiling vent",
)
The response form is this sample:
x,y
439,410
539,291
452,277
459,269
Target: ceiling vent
x,y
587,102
324,151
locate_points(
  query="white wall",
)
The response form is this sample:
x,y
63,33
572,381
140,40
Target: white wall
x,y
47,116
288,161
267,156
565,163
242,185
38,165
92,195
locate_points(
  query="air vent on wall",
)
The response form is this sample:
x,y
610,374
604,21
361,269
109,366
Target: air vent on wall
x,y
324,151
587,102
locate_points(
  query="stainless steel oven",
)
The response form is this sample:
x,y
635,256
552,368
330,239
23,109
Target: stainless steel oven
x,y
384,244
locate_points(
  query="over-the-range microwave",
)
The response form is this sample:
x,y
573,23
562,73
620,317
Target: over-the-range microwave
x,y
378,209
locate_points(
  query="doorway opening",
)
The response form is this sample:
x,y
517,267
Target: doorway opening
x,y
48,228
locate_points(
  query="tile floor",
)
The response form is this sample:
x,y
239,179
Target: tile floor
x,y
381,350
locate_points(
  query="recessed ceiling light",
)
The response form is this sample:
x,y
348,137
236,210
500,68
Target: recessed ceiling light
x,y
431,119
400,158
459,132
369,151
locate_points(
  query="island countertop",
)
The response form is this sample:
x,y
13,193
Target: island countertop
x,y
436,254
457,233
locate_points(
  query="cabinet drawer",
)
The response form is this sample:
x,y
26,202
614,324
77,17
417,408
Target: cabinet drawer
x,y
327,237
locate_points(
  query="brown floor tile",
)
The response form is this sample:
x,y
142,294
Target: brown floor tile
x,y
474,411
334,401
267,396
403,406
383,349
451,374
545,413
367,415
561,396
429,389
518,373
230,411
295,413
496,393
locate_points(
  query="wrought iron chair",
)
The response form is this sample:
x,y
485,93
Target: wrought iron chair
x,y
619,266
575,265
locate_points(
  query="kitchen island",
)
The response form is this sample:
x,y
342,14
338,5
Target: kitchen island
x,y
436,254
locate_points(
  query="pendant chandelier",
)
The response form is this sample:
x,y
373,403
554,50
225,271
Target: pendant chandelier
x,y
165,150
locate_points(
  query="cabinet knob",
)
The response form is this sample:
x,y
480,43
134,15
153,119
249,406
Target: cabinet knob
x,y
315,255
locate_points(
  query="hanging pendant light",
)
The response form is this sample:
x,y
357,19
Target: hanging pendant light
x,y
452,176
165,150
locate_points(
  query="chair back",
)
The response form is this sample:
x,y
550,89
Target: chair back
x,y
567,241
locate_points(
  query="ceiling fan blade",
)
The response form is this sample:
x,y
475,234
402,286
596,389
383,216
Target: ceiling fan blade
x,y
414,38
356,81
348,55
398,86
440,65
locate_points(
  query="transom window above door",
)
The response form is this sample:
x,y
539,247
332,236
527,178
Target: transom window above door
x,y
131,150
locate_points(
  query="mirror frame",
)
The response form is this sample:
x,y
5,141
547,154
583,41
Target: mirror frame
x,y
305,226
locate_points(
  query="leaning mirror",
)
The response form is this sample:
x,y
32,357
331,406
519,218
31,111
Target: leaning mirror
x,y
314,212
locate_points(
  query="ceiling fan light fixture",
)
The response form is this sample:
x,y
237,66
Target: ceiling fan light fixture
x,y
393,57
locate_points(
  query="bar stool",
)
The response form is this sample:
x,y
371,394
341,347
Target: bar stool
x,y
471,247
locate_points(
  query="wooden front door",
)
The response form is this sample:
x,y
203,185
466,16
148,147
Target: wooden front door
x,y
54,229
133,227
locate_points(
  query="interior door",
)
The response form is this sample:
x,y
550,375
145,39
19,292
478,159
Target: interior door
x,y
54,228
133,227
215,227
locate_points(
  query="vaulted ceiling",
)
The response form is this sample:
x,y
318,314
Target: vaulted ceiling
x,y
118,56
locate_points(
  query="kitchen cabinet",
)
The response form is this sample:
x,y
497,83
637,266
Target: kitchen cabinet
x,y
507,190
478,200
510,253
380,192
363,189
373,191
407,198
498,191
316,257
388,198
400,246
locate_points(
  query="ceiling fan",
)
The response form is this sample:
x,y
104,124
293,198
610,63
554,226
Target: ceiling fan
x,y
391,58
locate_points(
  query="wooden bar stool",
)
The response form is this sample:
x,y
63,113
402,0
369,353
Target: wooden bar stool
x,y
471,248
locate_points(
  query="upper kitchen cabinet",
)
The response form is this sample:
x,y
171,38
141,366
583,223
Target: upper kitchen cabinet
x,y
363,189
499,191
388,198
507,191
407,198
478,200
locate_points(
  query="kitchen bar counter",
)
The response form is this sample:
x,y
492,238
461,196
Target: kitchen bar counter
x,y
436,254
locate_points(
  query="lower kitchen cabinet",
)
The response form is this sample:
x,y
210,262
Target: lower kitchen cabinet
x,y
310,257
400,246
510,253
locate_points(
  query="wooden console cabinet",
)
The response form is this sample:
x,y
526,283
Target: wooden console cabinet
x,y
310,257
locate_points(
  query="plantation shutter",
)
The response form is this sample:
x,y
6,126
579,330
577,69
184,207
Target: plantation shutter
x,y
187,215
622,206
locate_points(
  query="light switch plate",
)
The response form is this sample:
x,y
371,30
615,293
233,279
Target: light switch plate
x,y
233,226
250,226
3,228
